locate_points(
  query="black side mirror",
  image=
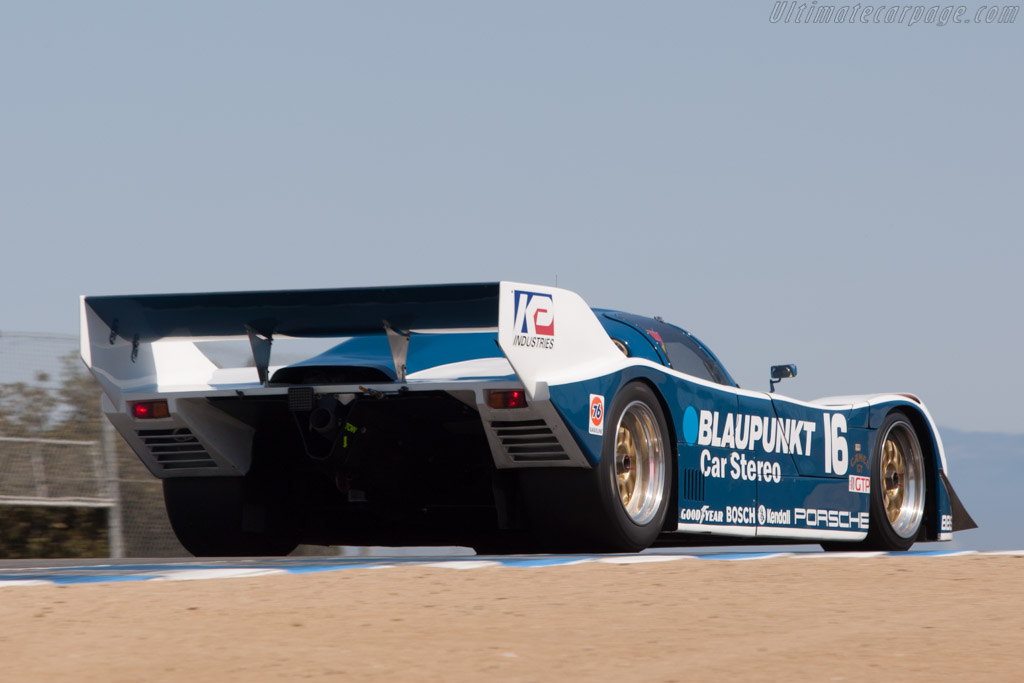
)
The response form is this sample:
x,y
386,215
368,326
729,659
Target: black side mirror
x,y
781,372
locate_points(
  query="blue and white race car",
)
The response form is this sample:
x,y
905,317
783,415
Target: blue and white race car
x,y
504,416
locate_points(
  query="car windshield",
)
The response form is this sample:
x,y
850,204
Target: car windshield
x,y
682,350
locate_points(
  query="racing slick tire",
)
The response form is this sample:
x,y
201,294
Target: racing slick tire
x,y
218,517
619,506
634,477
898,489
898,486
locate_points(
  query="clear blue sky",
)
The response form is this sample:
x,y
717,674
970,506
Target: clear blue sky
x,y
844,197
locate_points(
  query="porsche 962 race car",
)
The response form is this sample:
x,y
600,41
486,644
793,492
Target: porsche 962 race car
x,y
507,417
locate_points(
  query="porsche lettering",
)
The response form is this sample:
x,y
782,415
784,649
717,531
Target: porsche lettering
x,y
831,519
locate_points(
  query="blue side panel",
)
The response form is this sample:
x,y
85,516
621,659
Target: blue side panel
x,y
759,432
861,442
779,448
755,464
802,433
746,464
573,403
859,418
761,465
717,486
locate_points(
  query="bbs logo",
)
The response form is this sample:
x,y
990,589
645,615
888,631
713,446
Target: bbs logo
x,y
535,314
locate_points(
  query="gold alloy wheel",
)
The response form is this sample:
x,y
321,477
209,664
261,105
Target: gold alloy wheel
x,y
902,480
639,462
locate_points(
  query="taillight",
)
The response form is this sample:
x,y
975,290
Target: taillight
x,y
149,410
501,400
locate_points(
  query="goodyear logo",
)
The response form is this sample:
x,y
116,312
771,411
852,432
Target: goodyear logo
x,y
534,323
701,515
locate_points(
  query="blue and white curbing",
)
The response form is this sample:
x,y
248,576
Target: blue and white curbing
x,y
240,569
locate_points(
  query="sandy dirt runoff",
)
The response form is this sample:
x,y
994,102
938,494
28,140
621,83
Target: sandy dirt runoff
x,y
814,618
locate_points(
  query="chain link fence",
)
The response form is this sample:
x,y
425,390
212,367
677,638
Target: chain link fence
x,y
69,486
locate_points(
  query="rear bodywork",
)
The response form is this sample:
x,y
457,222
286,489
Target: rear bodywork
x,y
390,433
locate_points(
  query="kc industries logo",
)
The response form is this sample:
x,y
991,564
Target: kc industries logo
x,y
534,324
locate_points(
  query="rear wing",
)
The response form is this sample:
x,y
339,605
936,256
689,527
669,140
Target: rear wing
x,y
147,343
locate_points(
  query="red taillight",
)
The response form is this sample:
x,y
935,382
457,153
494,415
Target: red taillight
x,y
149,410
501,400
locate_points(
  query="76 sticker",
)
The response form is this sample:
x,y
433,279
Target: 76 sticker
x,y
596,414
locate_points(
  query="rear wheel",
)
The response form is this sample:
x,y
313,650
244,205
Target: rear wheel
x,y
632,480
619,505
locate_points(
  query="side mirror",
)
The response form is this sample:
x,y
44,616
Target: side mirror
x,y
781,372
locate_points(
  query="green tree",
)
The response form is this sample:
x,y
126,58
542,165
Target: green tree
x,y
26,410
71,410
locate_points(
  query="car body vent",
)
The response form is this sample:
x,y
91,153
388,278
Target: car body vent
x,y
693,485
175,449
528,441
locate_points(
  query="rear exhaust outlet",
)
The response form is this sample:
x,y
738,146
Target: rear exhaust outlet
x,y
324,422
